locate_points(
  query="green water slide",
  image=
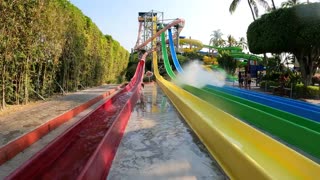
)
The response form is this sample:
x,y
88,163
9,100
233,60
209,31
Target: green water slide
x,y
236,52
232,48
165,57
245,56
294,130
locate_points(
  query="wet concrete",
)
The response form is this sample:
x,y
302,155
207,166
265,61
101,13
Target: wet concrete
x,y
158,144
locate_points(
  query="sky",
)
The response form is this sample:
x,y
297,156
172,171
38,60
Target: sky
x,y
119,18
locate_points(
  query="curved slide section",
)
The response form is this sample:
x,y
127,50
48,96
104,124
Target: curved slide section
x,y
236,52
86,150
242,151
292,129
165,57
298,108
173,53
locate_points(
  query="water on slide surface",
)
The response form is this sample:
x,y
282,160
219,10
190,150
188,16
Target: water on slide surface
x,y
158,144
70,163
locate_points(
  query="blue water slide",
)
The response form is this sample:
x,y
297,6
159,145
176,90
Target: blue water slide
x,y
298,108
173,53
278,98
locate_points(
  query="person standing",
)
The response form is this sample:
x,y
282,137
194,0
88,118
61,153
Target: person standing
x,y
240,79
248,80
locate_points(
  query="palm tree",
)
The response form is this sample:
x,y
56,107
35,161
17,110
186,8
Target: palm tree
x,y
231,41
252,4
243,43
216,38
290,3
273,5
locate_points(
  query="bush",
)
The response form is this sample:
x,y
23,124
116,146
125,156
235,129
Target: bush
x,y
182,59
310,92
273,76
269,83
298,90
131,70
313,92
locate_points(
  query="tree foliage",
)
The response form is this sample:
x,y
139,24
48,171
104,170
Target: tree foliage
x,y
227,62
289,3
295,30
231,41
50,46
253,4
216,38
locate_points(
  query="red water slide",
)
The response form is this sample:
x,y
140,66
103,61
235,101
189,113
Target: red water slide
x,y
86,150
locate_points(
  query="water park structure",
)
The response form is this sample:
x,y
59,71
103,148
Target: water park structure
x,y
251,135
250,61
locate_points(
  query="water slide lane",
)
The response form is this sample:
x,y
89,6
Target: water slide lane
x,y
294,130
173,53
242,151
165,57
299,120
297,103
299,108
86,149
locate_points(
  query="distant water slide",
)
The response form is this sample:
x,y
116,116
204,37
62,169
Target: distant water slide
x,y
165,57
173,53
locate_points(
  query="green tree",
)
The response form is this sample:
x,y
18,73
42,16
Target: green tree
x,y
294,30
227,62
50,46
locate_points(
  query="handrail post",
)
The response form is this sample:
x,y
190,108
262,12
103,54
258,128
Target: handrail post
x,y
291,90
